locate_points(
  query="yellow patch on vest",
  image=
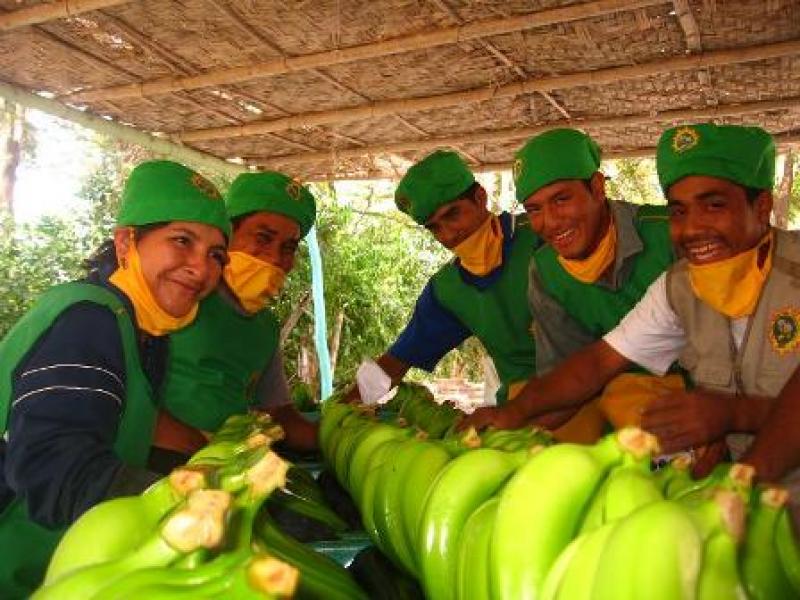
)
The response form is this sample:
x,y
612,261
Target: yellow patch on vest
x,y
784,330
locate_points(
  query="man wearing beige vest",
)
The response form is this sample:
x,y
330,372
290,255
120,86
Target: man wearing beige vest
x,y
729,310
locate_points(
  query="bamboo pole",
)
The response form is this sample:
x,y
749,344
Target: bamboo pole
x,y
418,41
520,133
529,86
50,11
160,146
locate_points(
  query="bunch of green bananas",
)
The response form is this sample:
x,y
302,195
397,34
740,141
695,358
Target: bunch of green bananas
x,y
189,535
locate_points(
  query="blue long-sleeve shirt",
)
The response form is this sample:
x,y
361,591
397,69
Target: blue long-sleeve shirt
x,y
68,394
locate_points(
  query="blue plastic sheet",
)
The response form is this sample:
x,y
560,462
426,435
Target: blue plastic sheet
x,y
320,326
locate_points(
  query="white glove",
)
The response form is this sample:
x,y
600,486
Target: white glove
x,y
374,384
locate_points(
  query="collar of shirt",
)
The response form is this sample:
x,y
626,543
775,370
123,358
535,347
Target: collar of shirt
x,y
629,244
506,220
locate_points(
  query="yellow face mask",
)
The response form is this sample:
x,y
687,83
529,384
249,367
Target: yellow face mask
x,y
482,252
733,286
253,281
592,268
149,315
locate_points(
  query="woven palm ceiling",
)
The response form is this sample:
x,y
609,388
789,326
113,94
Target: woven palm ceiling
x,y
333,89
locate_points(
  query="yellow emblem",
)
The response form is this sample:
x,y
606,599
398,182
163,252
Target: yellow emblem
x,y
293,189
403,203
205,186
784,330
685,138
516,169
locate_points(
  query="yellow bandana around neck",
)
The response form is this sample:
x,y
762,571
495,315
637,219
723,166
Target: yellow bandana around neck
x,y
590,269
149,315
482,252
253,281
732,286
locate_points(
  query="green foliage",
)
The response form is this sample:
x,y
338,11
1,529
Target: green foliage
x,y
634,180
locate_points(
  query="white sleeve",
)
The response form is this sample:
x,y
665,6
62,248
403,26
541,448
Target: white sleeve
x,y
650,335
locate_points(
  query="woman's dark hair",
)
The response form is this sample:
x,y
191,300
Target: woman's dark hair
x,y
103,261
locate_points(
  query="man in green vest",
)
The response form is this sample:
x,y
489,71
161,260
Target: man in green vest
x,y
481,292
728,311
79,370
600,257
229,359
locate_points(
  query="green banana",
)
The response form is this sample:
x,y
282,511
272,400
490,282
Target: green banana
x,y
472,582
760,565
788,549
374,475
461,486
197,523
541,509
387,504
719,576
90,540
368,442
320,577
308,507
627,487
577,580
346,446
430,462
654,553
332,415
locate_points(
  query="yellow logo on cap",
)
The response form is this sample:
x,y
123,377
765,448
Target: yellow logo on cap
x,y
516,169
685,139
784,330
205,186
293,189
403,203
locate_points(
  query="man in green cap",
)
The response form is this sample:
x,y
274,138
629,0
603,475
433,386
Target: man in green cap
x,y
481,292
77,372
728,311
229,359
600,257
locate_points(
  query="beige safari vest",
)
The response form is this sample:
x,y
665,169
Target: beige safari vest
x,y
770,350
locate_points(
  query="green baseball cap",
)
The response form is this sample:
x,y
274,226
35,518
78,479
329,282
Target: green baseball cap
x,y
270,191
743,155
552,156
439,178
161,191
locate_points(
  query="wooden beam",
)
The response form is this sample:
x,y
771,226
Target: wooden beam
x,y
50,11
160,146
791,138
417,41
522,133
529,86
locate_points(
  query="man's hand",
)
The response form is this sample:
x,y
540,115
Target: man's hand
x,y
499,417
554,420
352,396
689,419
708,458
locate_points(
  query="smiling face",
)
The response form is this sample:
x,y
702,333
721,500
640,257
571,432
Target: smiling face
x,y
455,221
711,219
181,262
268,236
570,215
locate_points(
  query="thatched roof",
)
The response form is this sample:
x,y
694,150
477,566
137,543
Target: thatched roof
x,y
355,88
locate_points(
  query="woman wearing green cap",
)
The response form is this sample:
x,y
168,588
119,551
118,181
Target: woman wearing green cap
x,y
229,359
78,371
728,311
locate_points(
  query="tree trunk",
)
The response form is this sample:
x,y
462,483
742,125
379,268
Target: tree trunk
x,y
336,340
784,193
12,154
295,315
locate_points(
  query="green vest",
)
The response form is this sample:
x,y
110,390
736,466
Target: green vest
x,y
25,546
598,308
215,363
497,315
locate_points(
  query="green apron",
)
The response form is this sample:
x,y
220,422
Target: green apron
x,y
600,309
216,363
498,315
26,547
